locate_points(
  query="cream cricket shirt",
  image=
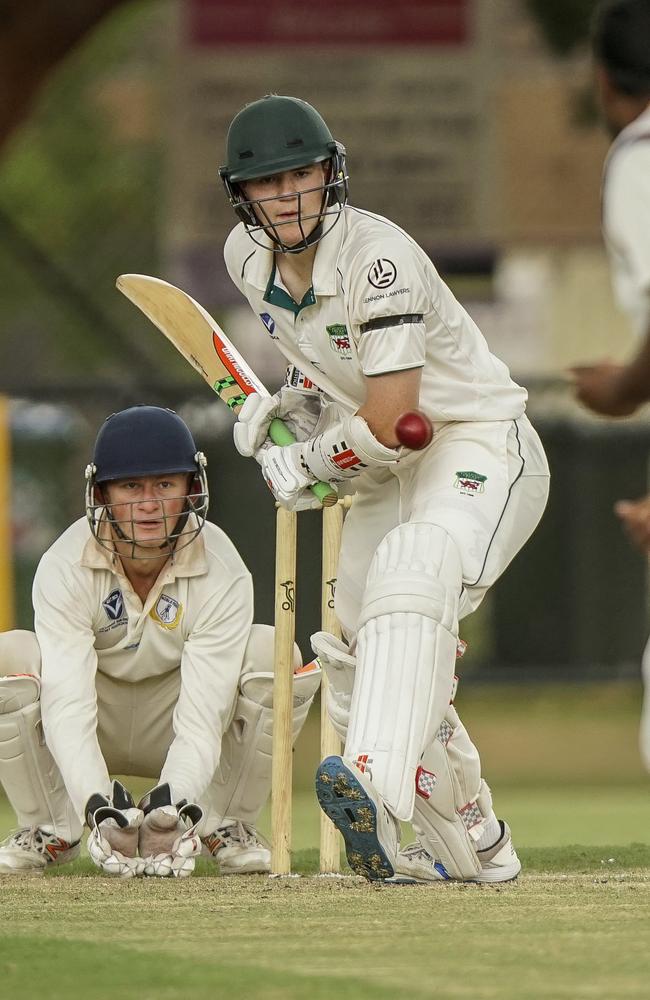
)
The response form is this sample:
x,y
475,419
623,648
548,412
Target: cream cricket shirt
x,y
626,219
197,619
377,305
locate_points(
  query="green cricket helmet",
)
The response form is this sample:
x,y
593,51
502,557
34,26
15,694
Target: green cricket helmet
x,y
273,135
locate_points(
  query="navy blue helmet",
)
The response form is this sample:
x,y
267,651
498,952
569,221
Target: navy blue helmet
x,y
144,441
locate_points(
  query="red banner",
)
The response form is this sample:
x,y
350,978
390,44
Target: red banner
x,y
336,23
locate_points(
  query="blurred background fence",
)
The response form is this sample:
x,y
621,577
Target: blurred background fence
x,y
572,606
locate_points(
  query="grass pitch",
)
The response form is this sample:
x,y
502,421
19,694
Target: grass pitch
x,y
575,925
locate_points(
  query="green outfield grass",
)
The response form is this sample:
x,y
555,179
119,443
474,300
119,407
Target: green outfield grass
x,y
576,925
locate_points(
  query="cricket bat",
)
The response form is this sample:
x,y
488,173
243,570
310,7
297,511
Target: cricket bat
x,y
202,342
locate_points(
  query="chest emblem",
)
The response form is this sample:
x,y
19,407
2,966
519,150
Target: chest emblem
x,y
340,340
167,611
113,605
470,483
269,323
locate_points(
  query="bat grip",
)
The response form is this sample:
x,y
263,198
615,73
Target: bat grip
x,y
280,434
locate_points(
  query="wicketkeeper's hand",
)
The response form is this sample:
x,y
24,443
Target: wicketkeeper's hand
x,y
114,826
168,842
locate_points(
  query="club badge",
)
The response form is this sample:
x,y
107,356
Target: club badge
x,y
470,483
167,611
113,605
340,340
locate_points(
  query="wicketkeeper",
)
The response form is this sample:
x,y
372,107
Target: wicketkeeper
x,y
144,661
371,331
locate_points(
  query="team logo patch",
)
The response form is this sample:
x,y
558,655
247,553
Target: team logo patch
x,y
470,483
382,273
167,611
363,763
298,380
425,782
340,340
269,323
113,605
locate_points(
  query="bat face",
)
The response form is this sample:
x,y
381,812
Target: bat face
x,y
197,336
202,342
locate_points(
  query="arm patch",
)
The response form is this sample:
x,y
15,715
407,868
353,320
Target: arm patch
x,y
383,322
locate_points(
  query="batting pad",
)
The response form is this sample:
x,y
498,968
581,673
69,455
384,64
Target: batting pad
x,y
406,651
28,772
451,801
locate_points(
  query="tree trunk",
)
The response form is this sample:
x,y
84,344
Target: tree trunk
x,y
35,35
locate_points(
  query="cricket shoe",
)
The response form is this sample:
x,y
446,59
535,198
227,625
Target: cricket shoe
x,y
499,863
33,849
371,833
238,848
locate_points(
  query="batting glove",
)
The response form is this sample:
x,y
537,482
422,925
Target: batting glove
x,y
168,842
114,827
287,477
299,409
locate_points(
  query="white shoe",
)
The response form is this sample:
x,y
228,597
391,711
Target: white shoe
x,y
33,849
499,863
371,833
238,848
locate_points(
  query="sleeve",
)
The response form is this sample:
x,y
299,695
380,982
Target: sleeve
x,y
389,297
211,665
627,217
63,621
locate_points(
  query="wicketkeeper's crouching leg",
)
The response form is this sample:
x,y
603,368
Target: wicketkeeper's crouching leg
x,y
156,836
458,835
49,830
241,786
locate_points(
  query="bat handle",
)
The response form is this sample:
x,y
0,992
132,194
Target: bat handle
x,y
280,434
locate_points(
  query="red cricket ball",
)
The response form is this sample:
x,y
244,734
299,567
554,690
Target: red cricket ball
x,y
413,430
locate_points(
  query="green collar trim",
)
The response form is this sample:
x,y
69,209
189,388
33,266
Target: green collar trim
x,y
278,297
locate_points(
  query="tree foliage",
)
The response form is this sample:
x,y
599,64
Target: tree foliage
x,y
564,23
35,37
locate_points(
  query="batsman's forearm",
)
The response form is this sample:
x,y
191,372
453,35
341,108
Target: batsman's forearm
x,y
281,435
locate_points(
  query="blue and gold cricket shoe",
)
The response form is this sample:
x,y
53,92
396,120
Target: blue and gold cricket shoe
x,y
371,833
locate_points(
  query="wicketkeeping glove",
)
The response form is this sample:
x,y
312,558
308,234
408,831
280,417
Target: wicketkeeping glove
x,y
114,827
169,843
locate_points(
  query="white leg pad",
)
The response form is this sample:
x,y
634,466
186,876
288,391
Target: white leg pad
x,y
338,665
242,781
452,801
406,650
28,772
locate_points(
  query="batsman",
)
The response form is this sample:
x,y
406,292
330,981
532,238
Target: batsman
x,y
370,331
144,661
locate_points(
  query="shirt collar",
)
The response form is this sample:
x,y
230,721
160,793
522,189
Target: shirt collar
x,y
259,267
188,561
